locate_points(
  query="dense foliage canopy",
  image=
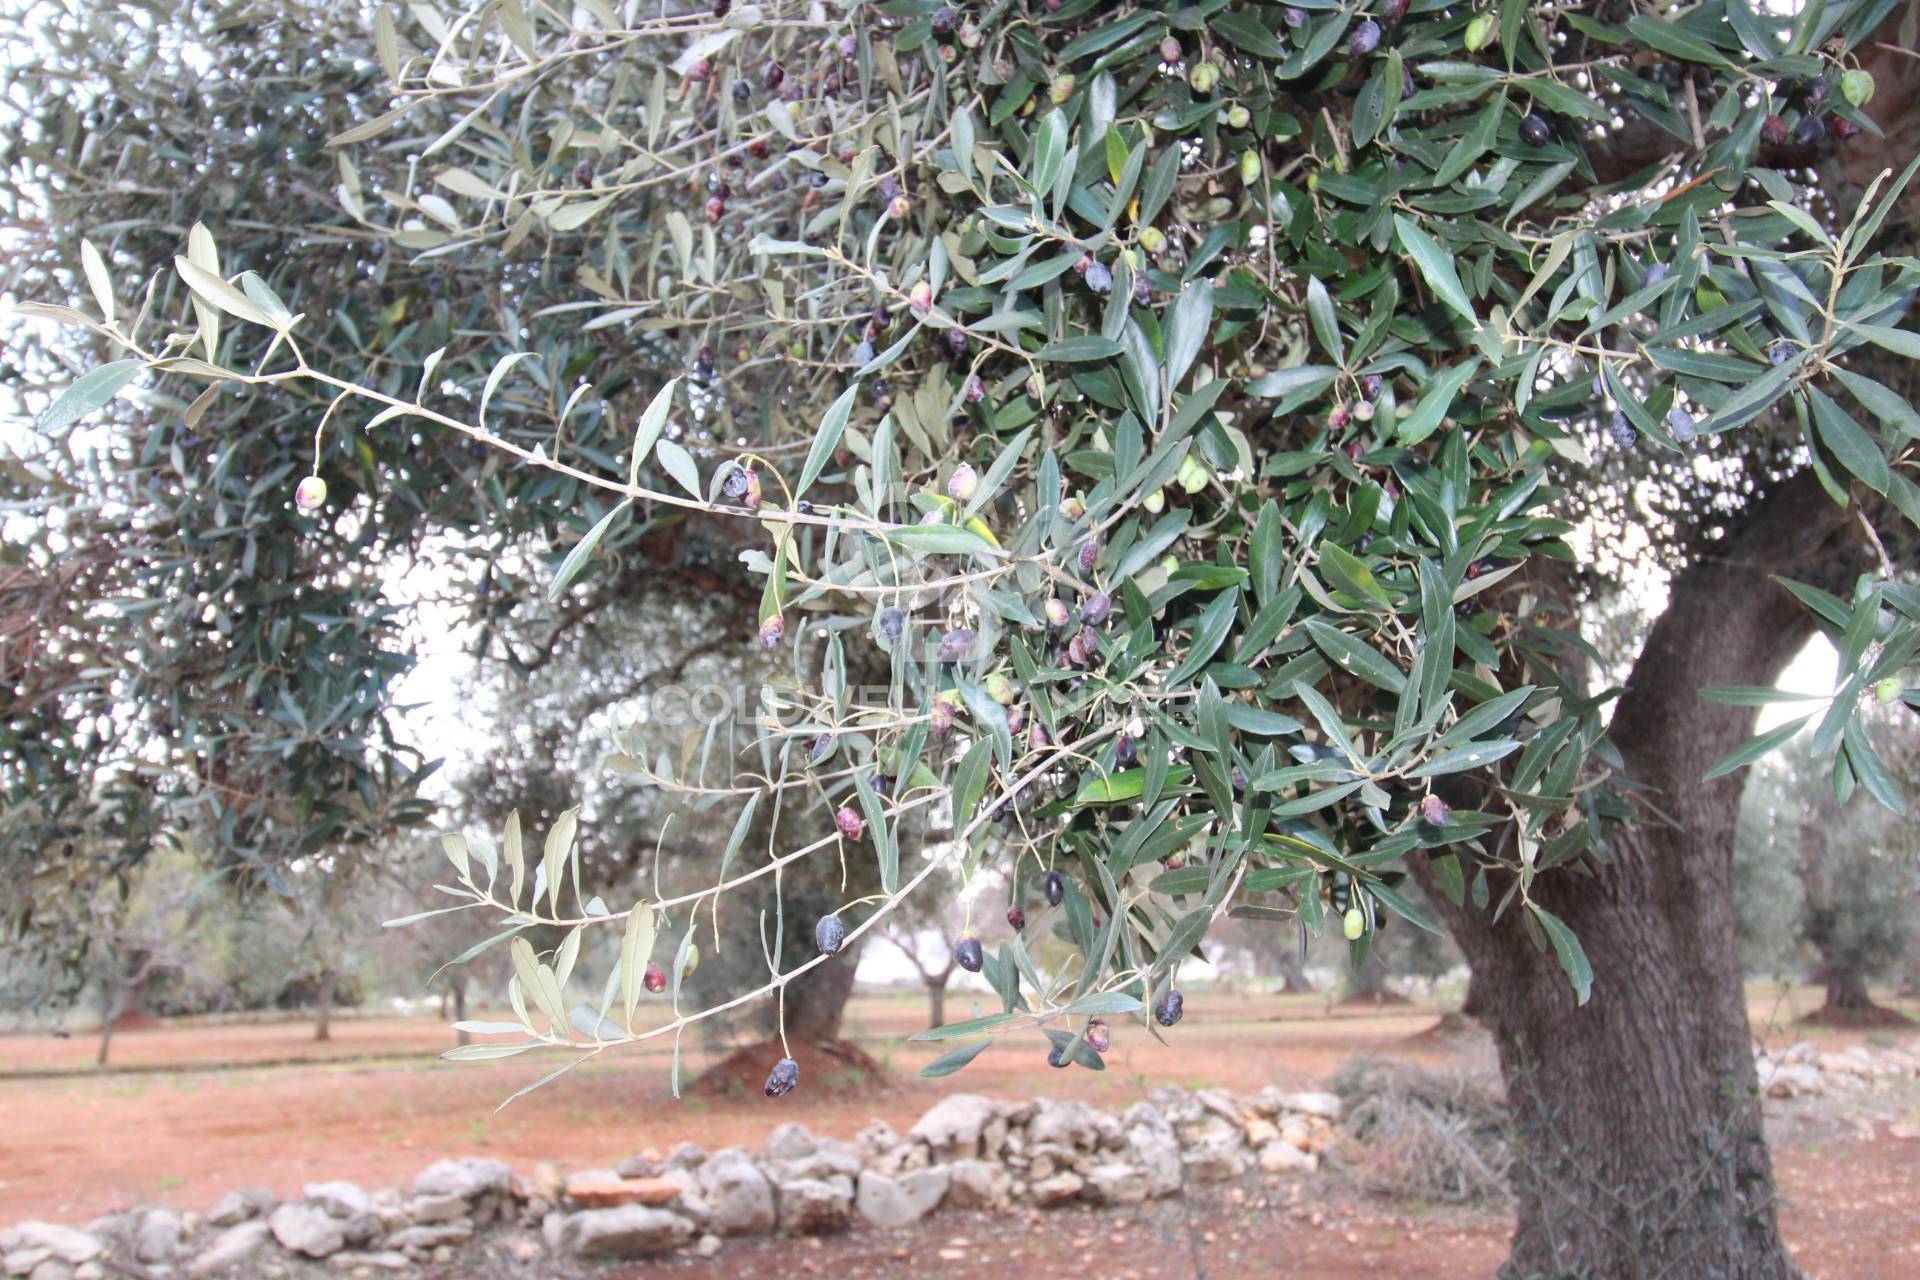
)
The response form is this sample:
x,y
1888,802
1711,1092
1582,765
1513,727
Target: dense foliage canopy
x,y
1160,435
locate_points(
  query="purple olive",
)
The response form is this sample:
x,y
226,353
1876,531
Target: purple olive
x,y
956,644
782,1079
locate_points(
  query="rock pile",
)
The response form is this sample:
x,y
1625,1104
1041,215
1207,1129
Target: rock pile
x,y
968,1152
350,1228
1806,1070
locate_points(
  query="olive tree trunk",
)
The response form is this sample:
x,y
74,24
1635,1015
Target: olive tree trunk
x,y
459,984
323,1006
1842,969
816,1002
1638,1145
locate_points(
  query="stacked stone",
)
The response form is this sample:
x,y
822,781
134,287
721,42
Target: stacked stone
x,y
968,1152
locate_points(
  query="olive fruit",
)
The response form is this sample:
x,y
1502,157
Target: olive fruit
x,y
1054,886
1016,918
956,644
1365,38
1535,130
655,979
829,934
784,1076
850,824
311,494
1099,1037
1622,431
1354,923
772,629
967,953
1168,1008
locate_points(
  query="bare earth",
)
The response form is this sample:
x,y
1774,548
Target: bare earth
x,y
374,1106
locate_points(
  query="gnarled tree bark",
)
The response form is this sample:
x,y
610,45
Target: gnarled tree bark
x,y
1638,1148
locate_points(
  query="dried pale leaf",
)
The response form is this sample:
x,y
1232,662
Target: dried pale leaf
x,y
98,278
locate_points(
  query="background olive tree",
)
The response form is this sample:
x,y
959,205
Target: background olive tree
x,y
1170,448
1830,893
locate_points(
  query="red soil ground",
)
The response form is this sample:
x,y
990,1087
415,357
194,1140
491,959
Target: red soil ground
x,y
75,1143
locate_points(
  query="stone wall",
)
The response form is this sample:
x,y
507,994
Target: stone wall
x,y
968,1152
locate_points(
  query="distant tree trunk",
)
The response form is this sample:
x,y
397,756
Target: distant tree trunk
x,y
937,1001
1369,981
1292,972
1840,971
460,1007
1638,1144
817,1000
106,1036
125,989
1847,989
323,1001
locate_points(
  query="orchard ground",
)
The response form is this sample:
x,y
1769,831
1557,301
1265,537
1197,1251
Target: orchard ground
x,y
190,1111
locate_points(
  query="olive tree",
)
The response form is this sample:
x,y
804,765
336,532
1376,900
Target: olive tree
x,y
1173,448
1849,879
